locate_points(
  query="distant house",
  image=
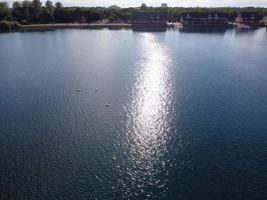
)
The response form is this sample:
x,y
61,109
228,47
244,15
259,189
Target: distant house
x,y
194,18
248,18
149,19
164,5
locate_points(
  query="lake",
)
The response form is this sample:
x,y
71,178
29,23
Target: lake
x,y
117,114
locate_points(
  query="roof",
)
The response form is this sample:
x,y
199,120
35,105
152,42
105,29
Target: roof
x,y
149,15
205,14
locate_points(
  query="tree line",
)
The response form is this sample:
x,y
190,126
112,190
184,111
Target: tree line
x,y
35,12
30,12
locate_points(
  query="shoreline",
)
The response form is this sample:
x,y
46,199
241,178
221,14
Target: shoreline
x,y
115,25
36,27
74,25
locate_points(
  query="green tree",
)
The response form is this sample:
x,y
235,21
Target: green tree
x,y
17,10
26,4
59,5
3,5
26,8
49,6
143,6
4,11
45,16
36,4
17,5
126,16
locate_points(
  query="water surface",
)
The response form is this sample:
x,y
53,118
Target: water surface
x,y
186,118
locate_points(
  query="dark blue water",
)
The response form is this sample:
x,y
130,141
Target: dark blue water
x,y
101,114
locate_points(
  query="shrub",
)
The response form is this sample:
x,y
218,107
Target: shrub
x,y
5,25
24,22
16,25
9,25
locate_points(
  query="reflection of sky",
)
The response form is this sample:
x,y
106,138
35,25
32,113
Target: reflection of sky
x,y
149,115
187,3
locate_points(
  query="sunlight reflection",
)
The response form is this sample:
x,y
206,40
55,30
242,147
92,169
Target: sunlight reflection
x,y
149,115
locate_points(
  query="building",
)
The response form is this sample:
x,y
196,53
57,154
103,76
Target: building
x,y
164,5
141,19
195,18
248,18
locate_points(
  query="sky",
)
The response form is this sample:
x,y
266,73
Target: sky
x,y
183,3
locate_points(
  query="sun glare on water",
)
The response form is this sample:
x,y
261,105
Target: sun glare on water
x,y
149,116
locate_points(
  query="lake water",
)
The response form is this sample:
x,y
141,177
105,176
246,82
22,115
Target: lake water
x,y
117,114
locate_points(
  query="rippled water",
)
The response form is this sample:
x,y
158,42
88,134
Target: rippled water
x,y
102,114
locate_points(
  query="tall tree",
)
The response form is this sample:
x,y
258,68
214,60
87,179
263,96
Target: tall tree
x,y
17,4
36,4
26,7
3,5
26,4
4,11
49,6
17,10
59,5
143,6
